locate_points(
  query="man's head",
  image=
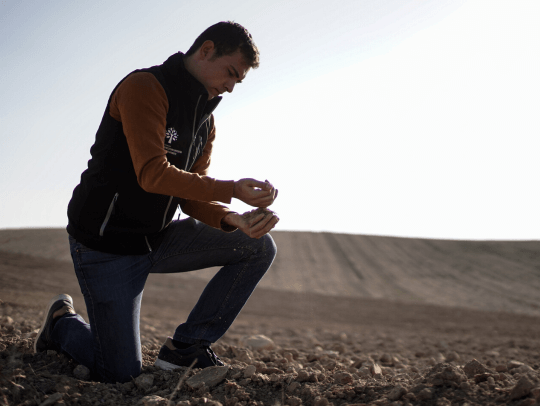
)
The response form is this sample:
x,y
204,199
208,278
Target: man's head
x,y
221,57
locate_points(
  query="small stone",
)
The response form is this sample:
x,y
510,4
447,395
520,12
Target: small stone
x,y
501,368
293,387
321,401
453,356
8,321
294,401
249,371
522,369
153,400
208,377
305,376
81,372
184,403
522,388
144,381
443,373
51,400
364,372
375,370
536,392
259,342
513,364
386,359
482,378
474,367
51,352
343,378
443,402
425,394
243,355
397,393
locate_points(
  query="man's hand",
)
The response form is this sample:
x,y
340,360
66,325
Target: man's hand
x,y
254,192
255,223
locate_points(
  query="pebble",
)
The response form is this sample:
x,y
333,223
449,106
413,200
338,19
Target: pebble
x,y
397,393
536,392
321,402
208,377
144,381
243,355
249,371
453,356
81,372
522,369
259,342
375,370
522,388
425,394
364,372
343,378
153,400
294,401
513,364
474,367
51,400
443,373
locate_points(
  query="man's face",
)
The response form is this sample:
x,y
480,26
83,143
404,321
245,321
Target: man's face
x,y
221,74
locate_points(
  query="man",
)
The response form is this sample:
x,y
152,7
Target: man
x,y
152,152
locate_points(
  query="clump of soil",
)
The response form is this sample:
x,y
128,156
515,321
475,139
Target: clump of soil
x,y
253,214
292,366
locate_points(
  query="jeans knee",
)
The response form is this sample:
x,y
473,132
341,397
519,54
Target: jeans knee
x,y
268,245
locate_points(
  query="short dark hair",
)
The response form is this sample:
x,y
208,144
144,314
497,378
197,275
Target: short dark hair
x,y
228,37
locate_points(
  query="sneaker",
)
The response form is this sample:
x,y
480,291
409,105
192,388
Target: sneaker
x,y
170,357
43,339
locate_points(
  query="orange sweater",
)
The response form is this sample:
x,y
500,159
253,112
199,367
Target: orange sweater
x,y
141,105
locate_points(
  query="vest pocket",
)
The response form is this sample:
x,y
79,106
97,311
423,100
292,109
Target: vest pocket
x,y
108,216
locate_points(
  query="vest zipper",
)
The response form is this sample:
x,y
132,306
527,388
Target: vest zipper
x,y
187,160
108,216
193,133
148,244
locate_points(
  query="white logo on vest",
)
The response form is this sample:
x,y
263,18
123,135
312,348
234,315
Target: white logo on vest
x,y
171,135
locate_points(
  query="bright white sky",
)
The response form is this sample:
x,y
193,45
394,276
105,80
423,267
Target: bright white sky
x,y
385,117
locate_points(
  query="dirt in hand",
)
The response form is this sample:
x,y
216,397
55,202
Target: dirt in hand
x,y
253,214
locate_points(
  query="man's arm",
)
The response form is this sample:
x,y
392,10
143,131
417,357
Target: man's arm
x,y
140,103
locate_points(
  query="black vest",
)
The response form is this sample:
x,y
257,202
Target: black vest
x,y
109,211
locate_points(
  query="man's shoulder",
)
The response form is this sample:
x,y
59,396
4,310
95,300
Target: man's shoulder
x,y
144,80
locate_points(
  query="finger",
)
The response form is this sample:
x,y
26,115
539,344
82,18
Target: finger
x,y
269,185
256,220
253,183
257,193
263,224
263,202
269,226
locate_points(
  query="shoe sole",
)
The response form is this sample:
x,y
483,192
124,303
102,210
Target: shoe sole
x,y
167,366
46,315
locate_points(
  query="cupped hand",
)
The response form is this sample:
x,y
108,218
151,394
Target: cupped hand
x,y
254,192
254,223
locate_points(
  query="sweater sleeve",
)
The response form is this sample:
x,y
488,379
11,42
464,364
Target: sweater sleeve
x,y
140,104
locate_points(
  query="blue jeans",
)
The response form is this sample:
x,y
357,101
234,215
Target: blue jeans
x,y
113,285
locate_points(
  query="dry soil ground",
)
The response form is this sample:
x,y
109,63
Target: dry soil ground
x,y
352,319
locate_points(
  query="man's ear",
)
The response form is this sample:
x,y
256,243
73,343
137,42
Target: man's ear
x,y
206,50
